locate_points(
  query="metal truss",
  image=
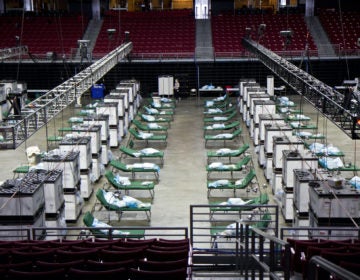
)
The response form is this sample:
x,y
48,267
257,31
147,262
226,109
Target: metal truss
x,y
13,52
17,129
324,98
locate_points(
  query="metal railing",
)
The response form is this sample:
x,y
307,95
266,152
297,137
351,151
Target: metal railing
x,y
72,233
320,268
218,233
16,129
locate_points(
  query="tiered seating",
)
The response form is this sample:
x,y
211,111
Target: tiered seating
x,y
229,30
151,32
43,34
336,251
99,259
342,31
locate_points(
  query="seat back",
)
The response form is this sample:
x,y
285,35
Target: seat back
x,y
233,124
127,150
88,219
133,132
58,274
139,124
244,147
243,162
237,132
119,273
264,222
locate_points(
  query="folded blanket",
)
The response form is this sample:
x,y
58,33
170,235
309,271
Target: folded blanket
x,y
216,126
355,182
221,166
151,110
122,180
331,163
145,135
219,183
145,165
220,98
76,119
209,103
149,151
219,118
235,201
154,125
97,223
304,134
224,151
223,136
148,118
214,110
166,100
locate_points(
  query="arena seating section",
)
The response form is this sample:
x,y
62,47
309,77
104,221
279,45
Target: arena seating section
x,y
150,32
43,34
350,27
228,30
172,33
96,259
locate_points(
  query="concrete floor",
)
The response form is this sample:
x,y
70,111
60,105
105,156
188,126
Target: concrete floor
x,y
183,176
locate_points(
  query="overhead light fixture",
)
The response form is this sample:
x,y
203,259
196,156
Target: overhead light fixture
x,y
247,32
286,33
83,43
111,32
262,27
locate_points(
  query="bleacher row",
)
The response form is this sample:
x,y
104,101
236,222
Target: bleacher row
x,y
174,32
344,253
95,259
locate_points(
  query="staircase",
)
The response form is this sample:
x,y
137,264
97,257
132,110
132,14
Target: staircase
x,y
204,48
91,34
320,38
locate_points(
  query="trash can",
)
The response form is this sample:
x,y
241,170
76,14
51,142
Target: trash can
x,y
156,101
33,155
97,91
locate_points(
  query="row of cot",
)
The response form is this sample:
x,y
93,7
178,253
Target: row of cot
x,y
221,116
141,134
121,258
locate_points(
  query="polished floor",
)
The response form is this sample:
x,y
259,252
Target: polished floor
x,y
183,177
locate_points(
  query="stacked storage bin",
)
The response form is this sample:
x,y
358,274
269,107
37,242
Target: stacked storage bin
x,y
281,143
260,107
302,178
54,200
251,111
131,88
251,91
111,109
326,209
83,145
69,163
266,120
293,160
102,120
125,93
116,96
243,94
134,99
23,203
271,131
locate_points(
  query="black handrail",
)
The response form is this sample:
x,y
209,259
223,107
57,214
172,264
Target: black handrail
x,y
266,259
317,262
